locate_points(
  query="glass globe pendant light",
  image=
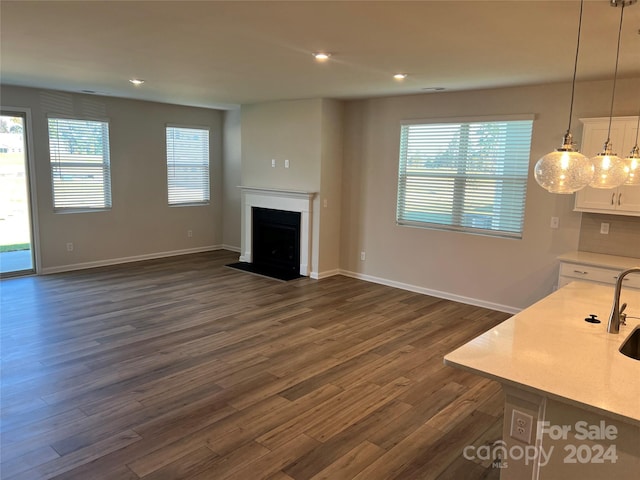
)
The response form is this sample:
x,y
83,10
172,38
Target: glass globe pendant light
x,y
565,170
609,169
633,162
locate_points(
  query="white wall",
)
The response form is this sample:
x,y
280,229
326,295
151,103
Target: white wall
x,y
501,273
140,223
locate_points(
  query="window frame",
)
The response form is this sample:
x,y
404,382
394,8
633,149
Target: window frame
x,y
105,165
189,203
461,178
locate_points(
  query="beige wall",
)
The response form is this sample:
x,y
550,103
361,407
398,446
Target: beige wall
x,y
140,223
330,200
231,173
500,273
346,151
288,130
308,133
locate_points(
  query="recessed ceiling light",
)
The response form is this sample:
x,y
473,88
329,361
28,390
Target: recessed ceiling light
x,y
136,81
400,76
321,56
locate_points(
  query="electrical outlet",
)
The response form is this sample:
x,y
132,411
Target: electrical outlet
x,y
286,164
273,163
521,426
555,222
363,256
189,233
69,247
325,203
604,228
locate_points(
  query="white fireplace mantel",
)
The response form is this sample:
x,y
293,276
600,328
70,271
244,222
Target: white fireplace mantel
x,y
277,199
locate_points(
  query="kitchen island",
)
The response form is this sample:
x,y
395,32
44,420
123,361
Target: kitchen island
x,y
572,400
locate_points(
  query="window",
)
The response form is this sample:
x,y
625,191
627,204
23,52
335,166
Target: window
x,y
187,165
465,176
80,170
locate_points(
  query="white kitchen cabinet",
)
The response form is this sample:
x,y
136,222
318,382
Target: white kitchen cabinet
x,y
570,272
596,268
624,200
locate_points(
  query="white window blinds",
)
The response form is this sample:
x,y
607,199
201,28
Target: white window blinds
x,y
468,176
187,165
80,170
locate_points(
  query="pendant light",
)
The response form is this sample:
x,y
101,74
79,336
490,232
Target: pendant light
x,y
633,161
609,169
565,170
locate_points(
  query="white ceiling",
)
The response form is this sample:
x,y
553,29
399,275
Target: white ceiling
x,y
223,53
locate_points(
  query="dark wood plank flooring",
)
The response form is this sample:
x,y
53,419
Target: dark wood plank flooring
x,y
182,368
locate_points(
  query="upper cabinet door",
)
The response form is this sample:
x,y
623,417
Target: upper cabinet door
x,y
629,200
624,200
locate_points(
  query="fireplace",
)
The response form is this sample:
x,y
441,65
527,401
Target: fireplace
x,y
289,201
276,240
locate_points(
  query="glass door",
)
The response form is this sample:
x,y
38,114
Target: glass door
x,y
16,228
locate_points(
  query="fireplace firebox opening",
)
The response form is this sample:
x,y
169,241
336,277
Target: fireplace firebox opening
x,y
275,240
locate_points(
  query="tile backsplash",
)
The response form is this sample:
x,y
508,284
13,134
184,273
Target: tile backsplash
x,y
623,238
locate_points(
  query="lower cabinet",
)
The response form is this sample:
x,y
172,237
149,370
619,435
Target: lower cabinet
x,y
570,272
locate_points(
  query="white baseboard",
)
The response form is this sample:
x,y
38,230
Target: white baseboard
x,y
135,258
434,293
314,275
328,273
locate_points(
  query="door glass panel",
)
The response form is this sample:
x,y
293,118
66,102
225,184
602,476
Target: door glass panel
x,y
16,249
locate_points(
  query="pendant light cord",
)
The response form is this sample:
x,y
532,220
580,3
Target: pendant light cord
x,y
575,67
637,129
615,73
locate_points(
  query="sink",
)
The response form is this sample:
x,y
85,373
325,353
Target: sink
x,y
631,346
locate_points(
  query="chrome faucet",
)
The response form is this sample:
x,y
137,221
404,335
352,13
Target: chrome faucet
x,y
616,312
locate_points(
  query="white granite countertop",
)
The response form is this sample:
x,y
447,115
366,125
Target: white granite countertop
x,y
550,350
600,260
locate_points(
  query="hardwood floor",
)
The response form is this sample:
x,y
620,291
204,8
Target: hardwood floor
x,y
182,368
